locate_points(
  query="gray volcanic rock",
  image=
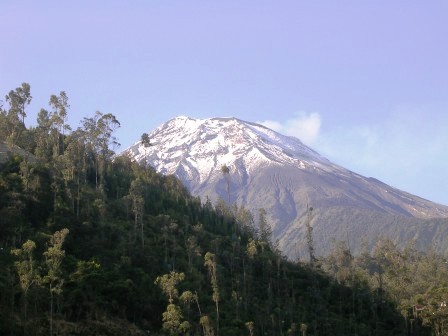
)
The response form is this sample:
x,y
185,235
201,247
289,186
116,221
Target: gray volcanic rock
x,y
282,175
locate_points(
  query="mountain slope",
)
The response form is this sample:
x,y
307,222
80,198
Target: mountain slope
x,y
134,260
282,175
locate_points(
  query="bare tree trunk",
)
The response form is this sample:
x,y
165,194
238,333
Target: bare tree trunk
x,y
51,311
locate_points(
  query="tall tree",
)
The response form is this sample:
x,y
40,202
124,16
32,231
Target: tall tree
x,y
27,271
172,317
17,99
251,327
210,263
100,138
53,259
193,250
168,283
73,166
265,230
245,220
225,170
309,234
43,129
136,193
58,117
144,139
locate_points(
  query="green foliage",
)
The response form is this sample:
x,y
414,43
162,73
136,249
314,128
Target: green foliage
x,y
210,263
172,319
25,266
416,283
265,230
53,259
13,120
138,239
168,283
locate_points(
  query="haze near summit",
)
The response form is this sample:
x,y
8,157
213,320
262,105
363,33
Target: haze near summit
x,y
362,83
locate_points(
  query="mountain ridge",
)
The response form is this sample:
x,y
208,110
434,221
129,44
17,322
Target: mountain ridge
x,y
269,170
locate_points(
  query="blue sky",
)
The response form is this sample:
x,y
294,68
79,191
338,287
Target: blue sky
x,y
365,83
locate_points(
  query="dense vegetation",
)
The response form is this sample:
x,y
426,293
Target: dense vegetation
x,y
92,244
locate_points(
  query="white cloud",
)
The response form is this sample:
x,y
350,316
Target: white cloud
x,y
304,126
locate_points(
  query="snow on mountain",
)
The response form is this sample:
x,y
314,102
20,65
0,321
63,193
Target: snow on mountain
x,y
201,147
279,173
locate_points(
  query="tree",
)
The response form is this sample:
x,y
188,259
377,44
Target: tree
x,y
172,317
193,249
303,329
136,193
58,118
309,234
265,230
210,263
145,140
99,133
340,263
188,297
245,220
73,166
17,99
225,170
251,249
251,327
435,311
222,208
4,127
53,259
206,324
43,149
168,283
26,269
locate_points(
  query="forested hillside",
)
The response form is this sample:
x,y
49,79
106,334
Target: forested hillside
x,y
92,244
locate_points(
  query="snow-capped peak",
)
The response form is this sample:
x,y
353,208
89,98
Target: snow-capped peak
x,y
278,173
197,148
